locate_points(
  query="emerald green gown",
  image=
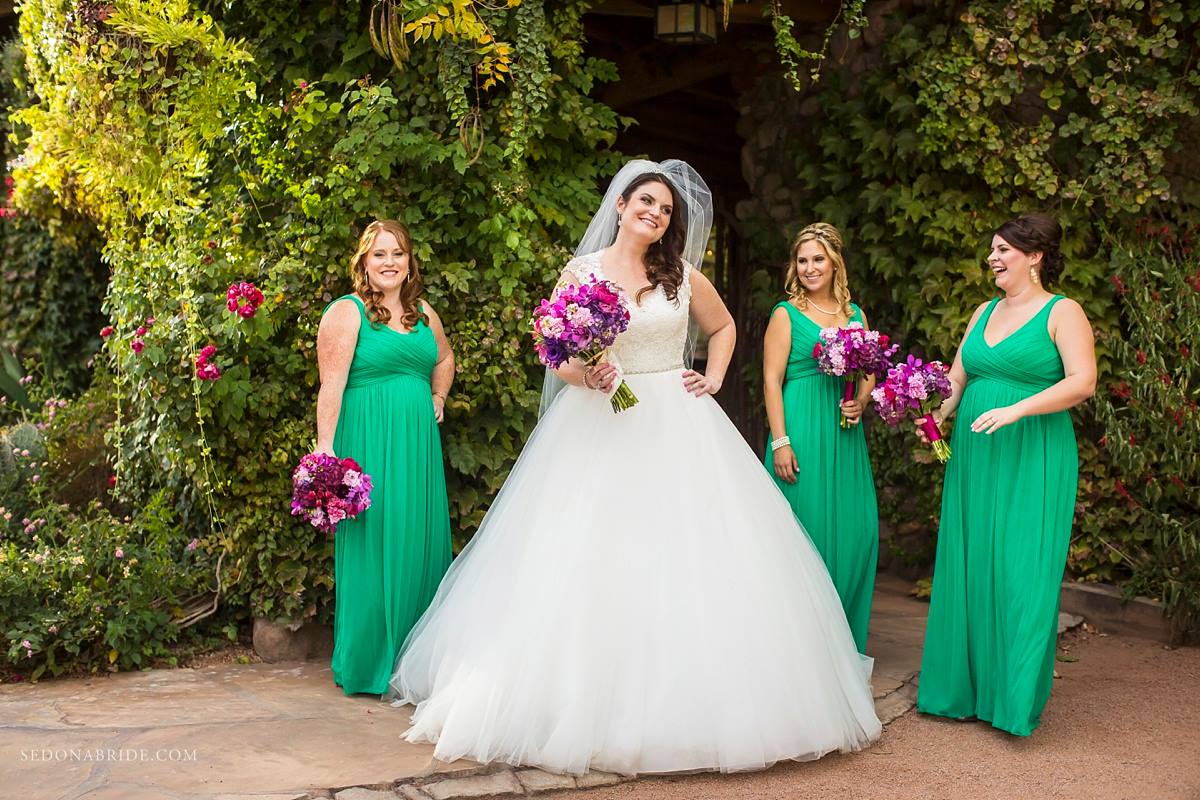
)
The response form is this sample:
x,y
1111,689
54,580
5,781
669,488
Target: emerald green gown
x,y
834,493
388,561
1007,509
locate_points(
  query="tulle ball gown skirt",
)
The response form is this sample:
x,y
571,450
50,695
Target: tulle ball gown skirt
x,y
639,598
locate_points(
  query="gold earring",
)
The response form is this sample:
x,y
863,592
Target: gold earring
x,y
1033,276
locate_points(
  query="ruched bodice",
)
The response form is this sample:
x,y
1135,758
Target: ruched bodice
x,y
658,327
384,354
1026,360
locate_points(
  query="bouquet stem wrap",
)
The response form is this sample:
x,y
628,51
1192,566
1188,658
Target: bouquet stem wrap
x,y
847,396
941,449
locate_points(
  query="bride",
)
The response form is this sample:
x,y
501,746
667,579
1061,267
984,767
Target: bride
x,y
639,597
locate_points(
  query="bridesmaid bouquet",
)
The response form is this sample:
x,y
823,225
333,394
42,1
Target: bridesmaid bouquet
x,y
853,352
912,390
582,322
327,490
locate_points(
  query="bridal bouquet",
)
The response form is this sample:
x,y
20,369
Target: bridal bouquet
x,y
853,352
912,390
582,322
327,490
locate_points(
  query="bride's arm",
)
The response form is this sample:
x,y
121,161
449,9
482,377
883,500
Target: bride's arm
x,y
717,323
574,371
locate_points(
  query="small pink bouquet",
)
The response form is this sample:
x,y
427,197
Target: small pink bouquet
x,y
853,352
583,322
327,490
912,390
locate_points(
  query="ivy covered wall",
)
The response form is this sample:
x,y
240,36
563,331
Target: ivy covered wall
x,y
215,143
942,121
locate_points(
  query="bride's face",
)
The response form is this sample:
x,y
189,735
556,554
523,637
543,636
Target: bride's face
x,y
647,214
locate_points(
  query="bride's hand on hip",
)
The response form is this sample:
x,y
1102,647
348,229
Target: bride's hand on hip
x,y
600,376
699,385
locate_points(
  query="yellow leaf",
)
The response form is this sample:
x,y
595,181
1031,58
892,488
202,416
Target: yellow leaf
x,y
437,31
112,656
443,11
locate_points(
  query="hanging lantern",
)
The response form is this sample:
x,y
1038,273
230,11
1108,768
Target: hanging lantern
x,y
686,23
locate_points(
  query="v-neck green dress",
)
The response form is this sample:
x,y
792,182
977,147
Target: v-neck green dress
x,y
390,560
834,493
1007,508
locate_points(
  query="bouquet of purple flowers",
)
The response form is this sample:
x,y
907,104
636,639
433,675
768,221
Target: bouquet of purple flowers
x,y
327,490
912,390
853,352
582,322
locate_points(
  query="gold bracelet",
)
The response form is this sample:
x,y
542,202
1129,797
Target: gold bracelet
x,y
586,382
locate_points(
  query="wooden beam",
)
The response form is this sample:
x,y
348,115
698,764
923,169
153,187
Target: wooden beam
x,y
623,8
742,13
644,81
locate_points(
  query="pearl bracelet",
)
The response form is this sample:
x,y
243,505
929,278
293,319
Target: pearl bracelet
x,y
782,441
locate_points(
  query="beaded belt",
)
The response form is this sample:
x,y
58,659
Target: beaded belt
x,y
652,371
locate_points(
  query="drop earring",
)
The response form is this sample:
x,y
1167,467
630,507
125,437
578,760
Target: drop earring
x,y
1033,276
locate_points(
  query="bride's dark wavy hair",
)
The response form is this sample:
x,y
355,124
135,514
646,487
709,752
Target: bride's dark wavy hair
x,y
664,258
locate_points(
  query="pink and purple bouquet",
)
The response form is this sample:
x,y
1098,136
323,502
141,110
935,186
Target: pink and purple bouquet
x,y
582,322
912,390
327,490
853,352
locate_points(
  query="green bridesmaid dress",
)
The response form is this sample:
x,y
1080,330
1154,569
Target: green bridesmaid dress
x,y
1007,508
388,561
834,493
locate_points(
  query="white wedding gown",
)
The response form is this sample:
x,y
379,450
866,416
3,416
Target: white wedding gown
x,y
639,597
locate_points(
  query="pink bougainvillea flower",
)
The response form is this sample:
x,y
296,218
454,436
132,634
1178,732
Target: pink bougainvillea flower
x,y
106,331
137,345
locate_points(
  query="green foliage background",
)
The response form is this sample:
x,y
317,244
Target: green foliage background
x,y
965,115
197,143
254,144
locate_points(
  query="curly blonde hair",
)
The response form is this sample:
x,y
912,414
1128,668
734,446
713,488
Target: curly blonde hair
x,y
830,240
410,291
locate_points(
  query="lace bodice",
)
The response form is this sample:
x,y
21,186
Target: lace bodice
x,y
658,327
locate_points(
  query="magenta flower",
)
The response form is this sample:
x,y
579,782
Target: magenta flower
x,y
205,369
243,298
853,353
106,331
327,490
137,345
912,390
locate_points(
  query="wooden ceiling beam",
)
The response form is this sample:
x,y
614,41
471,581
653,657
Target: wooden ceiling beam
x,y
642,80
742,13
